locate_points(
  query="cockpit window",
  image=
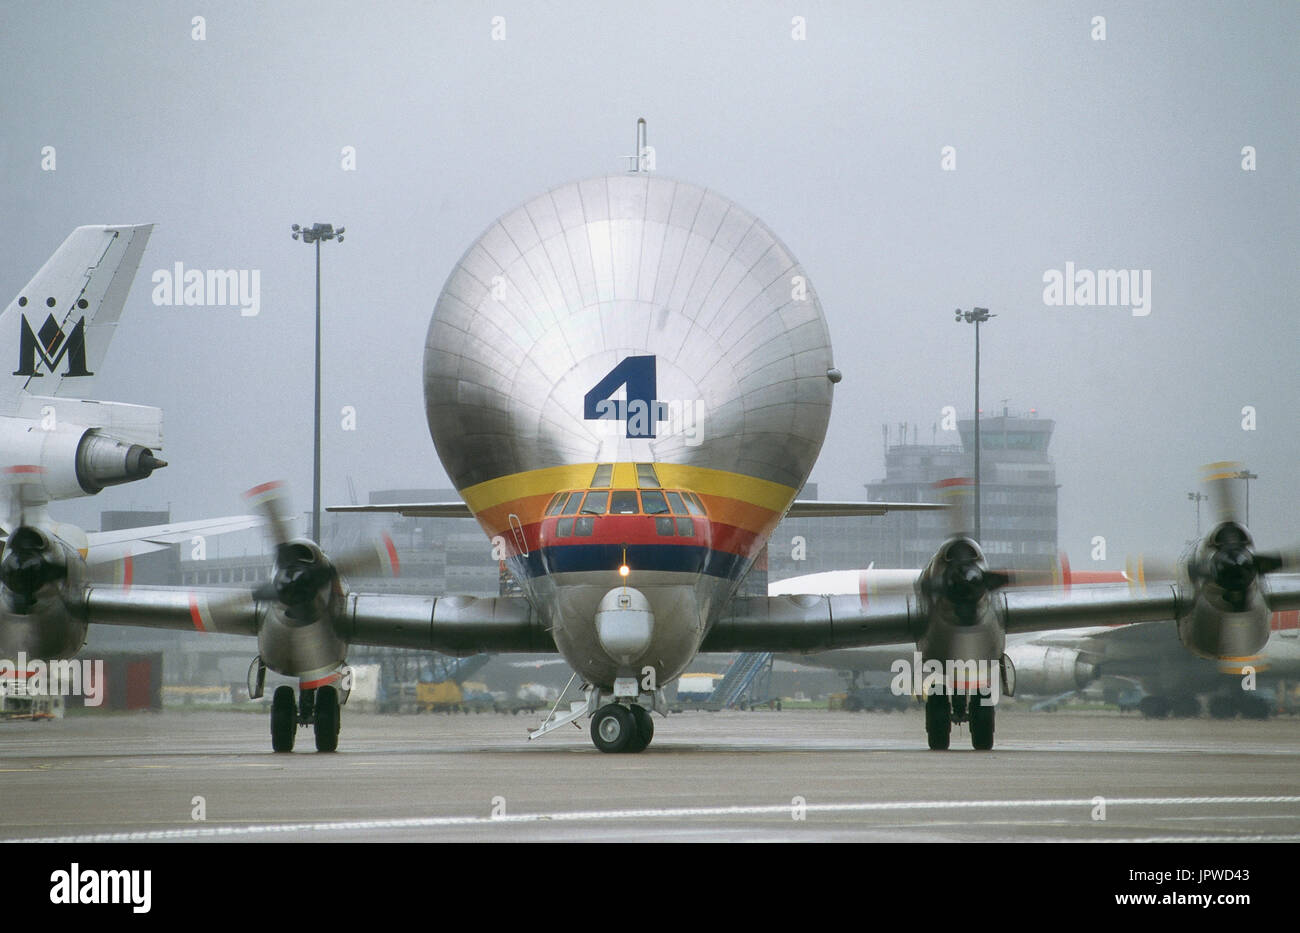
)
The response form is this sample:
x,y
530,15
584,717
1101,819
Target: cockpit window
x,y
693,503
653,502
575,500
596,503
604,472
623,502
557,503
646,477
675,503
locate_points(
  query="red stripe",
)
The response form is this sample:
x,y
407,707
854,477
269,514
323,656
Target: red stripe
x,y
956,481
195,617
641,529
128,571
25,469
1286,620
265,487
392,555
319,682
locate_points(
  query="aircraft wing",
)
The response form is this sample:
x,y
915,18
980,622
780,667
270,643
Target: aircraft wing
x,y
800,508
813,623
459,625
107,546
411,509
815,508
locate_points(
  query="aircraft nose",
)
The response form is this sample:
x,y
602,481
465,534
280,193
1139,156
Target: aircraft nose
x,y
624,624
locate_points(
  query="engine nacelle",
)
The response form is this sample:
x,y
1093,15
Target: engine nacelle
x,y
71,460
1049,670
297,650
1214,629
49,631
1229,617
38,571
958,621
298,637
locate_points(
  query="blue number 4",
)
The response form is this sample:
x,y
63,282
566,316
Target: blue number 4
x,y
640,411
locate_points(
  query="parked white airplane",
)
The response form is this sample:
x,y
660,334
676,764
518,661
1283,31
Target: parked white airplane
x,y
628,379
56,446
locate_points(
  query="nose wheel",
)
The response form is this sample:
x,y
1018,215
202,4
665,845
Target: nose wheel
x,y
617,728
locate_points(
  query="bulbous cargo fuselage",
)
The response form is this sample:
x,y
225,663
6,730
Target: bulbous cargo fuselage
x,y
628,372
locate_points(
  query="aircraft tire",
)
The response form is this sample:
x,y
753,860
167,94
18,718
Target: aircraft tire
x,y
613,728
328,719
981,725
284,719
645,729
938,721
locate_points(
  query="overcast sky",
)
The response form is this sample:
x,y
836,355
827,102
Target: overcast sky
x,y
1117,153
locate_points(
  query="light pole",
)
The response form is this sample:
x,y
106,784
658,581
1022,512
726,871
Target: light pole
x,y
976,316
317,233
1198,498
1247,476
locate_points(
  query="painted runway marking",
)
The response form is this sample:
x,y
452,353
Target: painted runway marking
x,y
435,822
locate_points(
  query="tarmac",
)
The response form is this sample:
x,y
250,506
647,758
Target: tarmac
x,y
731,776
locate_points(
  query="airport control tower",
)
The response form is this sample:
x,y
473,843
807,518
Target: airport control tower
x,y
1019,503
1018,493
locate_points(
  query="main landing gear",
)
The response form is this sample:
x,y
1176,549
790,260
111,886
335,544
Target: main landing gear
x,y
941,711
316,707
620,728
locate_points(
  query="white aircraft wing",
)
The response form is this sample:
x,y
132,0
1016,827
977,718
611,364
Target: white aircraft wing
x,y
107,546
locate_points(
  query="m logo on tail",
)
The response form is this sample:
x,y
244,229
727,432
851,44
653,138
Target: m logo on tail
x,y
51,345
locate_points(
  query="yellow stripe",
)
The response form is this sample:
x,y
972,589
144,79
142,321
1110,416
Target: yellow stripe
x,y
760,492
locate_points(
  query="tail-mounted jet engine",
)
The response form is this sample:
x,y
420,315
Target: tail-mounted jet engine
x,y
69,460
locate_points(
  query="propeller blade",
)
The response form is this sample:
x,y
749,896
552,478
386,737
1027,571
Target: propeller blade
x,y
378,560
958,494
272,501
1223,482
1143,571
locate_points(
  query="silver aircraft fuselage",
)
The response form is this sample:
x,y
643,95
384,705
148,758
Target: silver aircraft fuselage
x,y
628,372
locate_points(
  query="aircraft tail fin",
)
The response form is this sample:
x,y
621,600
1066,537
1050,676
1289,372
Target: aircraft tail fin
x,y
59,326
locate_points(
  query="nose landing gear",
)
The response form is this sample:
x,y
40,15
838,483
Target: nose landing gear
x,y
618,728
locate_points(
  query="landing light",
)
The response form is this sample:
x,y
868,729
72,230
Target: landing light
x,y
624,570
